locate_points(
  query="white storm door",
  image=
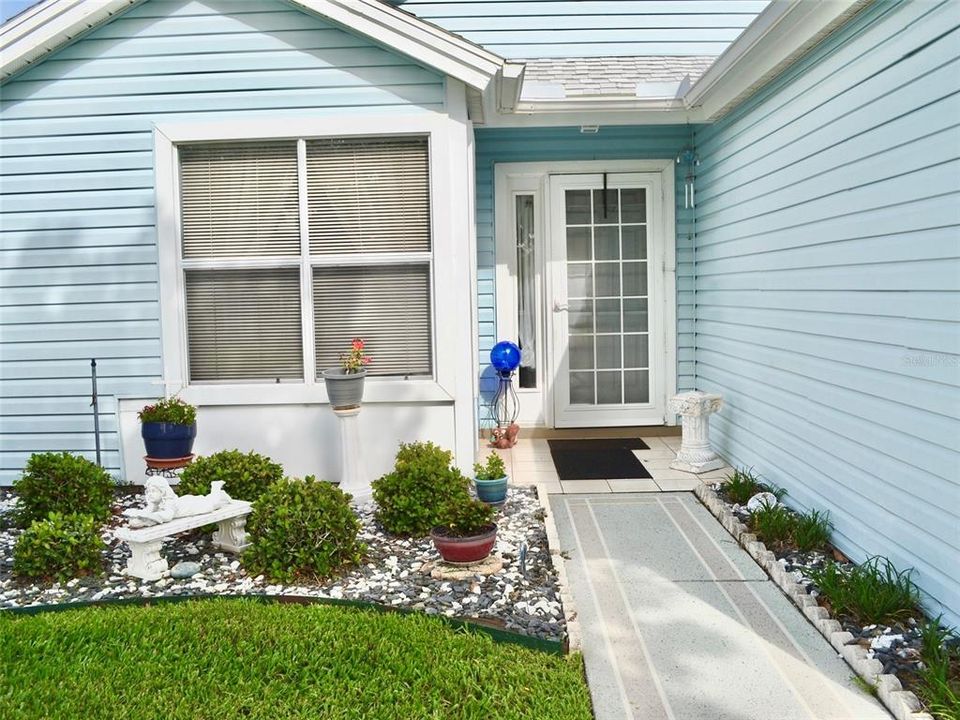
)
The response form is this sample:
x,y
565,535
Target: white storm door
x,y
606,310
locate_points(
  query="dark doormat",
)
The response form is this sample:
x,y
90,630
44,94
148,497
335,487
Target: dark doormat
x,y
607,459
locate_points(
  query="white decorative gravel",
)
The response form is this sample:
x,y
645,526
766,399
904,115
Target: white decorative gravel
x,y
526,602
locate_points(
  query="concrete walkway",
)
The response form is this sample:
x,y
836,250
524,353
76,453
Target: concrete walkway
x,y
679,623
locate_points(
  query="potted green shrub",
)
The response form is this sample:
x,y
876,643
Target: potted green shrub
x,y
467,533
168,428
345,383
490,480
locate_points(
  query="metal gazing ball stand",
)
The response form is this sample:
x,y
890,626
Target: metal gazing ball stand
x,y
505,406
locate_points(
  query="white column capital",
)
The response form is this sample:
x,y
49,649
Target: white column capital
x,y
695,403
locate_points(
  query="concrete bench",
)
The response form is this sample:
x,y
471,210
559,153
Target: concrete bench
x,y
145,559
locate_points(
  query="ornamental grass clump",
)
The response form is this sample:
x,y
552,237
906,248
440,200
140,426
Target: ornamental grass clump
x,y
774,525
302,529
62,483
742,485
245,476
872,592
59,547
412,499
938,681
811,530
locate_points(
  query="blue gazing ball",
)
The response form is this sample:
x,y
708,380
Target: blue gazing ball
x,y
505,356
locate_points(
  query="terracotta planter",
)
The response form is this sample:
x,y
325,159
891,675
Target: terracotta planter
x,y
492,492
464,550
344,390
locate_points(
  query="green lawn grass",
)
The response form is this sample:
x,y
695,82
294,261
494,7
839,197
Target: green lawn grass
x,y
242,659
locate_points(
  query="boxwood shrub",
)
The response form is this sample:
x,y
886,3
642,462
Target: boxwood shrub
x,y
62,483
245,475
412,499
59,548
302,529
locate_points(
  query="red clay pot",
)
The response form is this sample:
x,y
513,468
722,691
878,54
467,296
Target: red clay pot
x,y
471,549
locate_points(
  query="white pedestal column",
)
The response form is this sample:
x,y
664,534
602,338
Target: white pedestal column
x,y
353,476
695,408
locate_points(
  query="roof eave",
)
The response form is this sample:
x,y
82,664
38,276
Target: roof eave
x,y
36,33
45,28
777,37
421,41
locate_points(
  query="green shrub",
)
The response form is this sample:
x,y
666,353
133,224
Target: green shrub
x,y
811,530
492,469
302,528
169,410
774,525
411,500
245,476
466,517
742,485
872,592
62,483
60,547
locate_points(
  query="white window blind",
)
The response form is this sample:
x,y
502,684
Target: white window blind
x,y
245,266
389,307
244,324
239,200
368,195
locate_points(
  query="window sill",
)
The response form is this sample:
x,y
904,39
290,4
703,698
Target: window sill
x,y
375,391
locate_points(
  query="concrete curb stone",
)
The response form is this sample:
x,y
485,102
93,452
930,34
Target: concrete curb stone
x,y
574,633
902,704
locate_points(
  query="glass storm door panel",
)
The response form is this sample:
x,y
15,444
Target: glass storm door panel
x,y
602,324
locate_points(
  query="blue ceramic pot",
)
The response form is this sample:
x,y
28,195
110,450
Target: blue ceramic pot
x,y
492,492
168,440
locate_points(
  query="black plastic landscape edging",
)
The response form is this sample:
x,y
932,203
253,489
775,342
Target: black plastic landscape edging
x,y
499,635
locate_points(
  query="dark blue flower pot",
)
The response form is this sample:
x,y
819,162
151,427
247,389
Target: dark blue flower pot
x,y
168,440
492,492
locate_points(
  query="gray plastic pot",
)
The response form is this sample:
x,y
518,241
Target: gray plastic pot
x,y
345,390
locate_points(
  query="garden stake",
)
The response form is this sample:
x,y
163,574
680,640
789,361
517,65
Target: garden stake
x,y
96,412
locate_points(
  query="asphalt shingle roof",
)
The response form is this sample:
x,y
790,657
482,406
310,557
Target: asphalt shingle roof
x,y
609,76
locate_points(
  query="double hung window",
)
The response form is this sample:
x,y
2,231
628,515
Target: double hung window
x,y
290,249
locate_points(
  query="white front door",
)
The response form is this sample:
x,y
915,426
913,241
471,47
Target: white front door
x,y
605,316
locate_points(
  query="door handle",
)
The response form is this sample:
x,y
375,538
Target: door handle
x,y
559,306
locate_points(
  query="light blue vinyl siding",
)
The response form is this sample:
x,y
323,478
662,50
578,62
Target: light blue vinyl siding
x,y
592,28
828,286
559,144
78,255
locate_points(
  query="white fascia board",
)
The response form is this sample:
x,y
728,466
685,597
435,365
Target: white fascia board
x,y
679,116
511,82
771,42
407,34
50,25
599,105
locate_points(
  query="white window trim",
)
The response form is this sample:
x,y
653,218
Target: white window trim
x,y
440,388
